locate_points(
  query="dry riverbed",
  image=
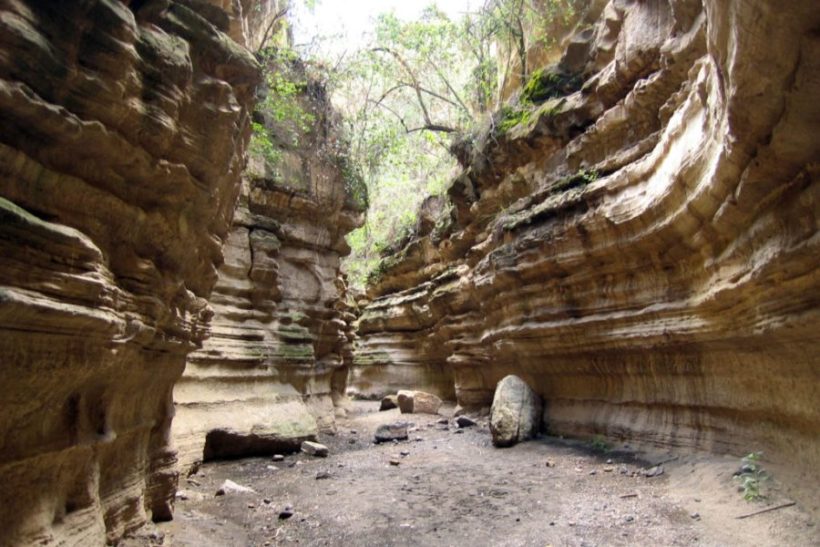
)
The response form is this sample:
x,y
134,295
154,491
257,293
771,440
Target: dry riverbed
x,y
451,487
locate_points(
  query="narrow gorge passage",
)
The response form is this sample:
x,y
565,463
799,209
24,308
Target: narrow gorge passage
x,y
574,241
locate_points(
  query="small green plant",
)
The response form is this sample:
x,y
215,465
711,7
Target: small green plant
x,y
599,444
512,116
751,476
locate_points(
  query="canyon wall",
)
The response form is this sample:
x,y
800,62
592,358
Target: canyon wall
x,y
636,237
274,369
122,138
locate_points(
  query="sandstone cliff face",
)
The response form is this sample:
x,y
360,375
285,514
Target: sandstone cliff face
x,y
642,251
275,365
122,142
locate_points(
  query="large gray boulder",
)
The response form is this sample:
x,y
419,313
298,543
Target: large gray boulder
x,y
516,412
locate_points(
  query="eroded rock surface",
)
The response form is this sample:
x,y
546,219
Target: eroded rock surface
x,y
274,369
123,137
641,251
516,412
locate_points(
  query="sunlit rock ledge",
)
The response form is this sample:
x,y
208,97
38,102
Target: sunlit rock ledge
x,y
643,251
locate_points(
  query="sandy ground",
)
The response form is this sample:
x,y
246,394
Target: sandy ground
x,y
454,488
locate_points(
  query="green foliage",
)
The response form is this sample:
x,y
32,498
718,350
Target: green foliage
x,y
512,116
579,179
751,476
281,105
599,444
548,84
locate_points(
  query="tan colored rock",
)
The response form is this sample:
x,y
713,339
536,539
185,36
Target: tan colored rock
x,y
273,372
122,140
643,250
418,402
516,412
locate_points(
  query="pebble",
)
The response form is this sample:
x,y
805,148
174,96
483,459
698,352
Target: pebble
x,y
464,421
271,468
351,441
321,475
286,513
629,518
593,472
444,421
251,506
315,449
266,501
695,515
609,461
278,458
394,462
405,453
354,432
458,431
549,463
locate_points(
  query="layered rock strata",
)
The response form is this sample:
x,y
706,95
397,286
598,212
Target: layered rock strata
x,y
122,138
274,369
640,247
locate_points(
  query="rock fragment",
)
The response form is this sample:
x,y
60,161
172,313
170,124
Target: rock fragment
x,y
464,421
388,403
229,486
396,431
315,449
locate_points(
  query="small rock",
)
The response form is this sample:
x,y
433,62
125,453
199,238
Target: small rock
x,y
444,421
419,439
695,515
231,487
404,453
321,475
395,462
354,432
266,501
629,518
464,421
351,441
653,471
609,462
571,523
278,458
271,468
391,432
458,431
697,500
609,469
315,449
286,513
194,482
593,472
388,403
549,463
251,506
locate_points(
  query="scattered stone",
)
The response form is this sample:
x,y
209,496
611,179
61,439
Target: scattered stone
x,y
444,421
278,458
609,461
549,463
458,431
418,402
351,441
315,449
396,431
629,518
251,506
231,487
266,501
609,469
464,421
271,468
516,412
321,475
389,403
286,513
354,432
593,472
404,453
695,515
395,462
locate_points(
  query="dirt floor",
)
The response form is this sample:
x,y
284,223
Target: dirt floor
x,y
451,487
